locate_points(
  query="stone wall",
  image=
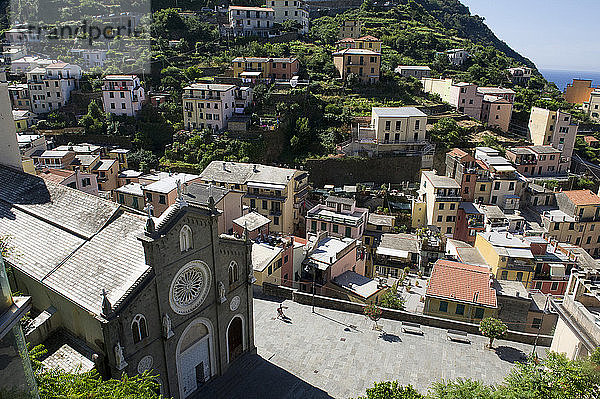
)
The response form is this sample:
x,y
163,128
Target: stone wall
x,y
352,170
352,307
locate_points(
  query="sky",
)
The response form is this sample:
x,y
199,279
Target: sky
x,y
554,34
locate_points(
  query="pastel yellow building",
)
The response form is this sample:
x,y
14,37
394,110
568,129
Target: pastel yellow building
x,y
442,196
508,256
365,42
277,193
266,262
460,292
365,64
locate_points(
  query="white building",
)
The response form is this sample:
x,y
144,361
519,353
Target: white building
x,y
457,56
251,21
290,10
24,64
208,105
418,71
91,57
50,88
122,94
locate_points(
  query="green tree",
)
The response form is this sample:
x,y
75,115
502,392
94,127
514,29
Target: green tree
x,y
142,160
492,328
391,300
391,390
554,377
461,389
94,121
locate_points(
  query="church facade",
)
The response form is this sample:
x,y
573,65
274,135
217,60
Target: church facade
x,y
194,316
167,295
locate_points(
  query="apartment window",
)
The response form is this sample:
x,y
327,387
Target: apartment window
x,y
134,202
122,105
460,309
482,187
592,226
111,95
348,232
479,313
440,218
149,197
449,230
589,240
452,207
511,186
162,199
556,226
467,178
398,125
253,203
494,199
388,125
323,226
112,105
504,275
497,185
276,220
121,199
443,306
519,276
417,124
537,323
449,219
122,94
313,226
270,270
466,190
571,226
554,286
265,204
441,206
334,228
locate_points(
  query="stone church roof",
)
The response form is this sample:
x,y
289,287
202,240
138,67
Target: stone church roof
x,y
73,243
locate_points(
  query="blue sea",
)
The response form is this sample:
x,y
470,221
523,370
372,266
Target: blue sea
x,y
562,78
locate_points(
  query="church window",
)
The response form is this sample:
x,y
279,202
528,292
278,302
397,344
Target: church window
x,y
185,238
139,328
233,272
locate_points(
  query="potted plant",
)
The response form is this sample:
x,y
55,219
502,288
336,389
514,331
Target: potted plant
x,y
374,313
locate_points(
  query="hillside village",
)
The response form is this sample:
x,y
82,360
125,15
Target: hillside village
x,y
393,166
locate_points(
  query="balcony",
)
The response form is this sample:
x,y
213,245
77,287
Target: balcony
x,y
448,197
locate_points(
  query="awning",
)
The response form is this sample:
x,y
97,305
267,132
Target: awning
x,y
557,270
269,186
392,252
250,74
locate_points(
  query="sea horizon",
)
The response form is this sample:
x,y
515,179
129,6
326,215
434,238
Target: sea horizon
x,y
562,77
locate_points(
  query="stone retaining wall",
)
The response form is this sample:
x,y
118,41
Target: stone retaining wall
x,y
353,307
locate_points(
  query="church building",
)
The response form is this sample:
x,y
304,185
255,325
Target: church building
x,y
169,294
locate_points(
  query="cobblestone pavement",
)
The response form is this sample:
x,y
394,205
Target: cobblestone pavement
x,y
341,354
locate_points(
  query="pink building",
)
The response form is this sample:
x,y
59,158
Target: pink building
x,y
256,224
466,99
328,257
537,160
496,112
339,217
85,182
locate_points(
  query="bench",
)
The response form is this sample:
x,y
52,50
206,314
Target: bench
x,y
458,336
412,328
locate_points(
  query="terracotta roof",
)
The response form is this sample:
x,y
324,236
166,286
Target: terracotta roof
x,y
590,139
346,40
462,155
369,38
461,282
55,175
582,197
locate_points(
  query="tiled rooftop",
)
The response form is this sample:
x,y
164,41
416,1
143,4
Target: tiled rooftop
x,y
461,282
582,197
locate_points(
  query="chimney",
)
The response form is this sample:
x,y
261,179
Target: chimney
x,y
255,168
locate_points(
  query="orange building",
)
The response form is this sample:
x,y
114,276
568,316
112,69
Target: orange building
x,y
579,91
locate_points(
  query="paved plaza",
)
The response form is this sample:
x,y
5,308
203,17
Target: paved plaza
x,y
340,353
